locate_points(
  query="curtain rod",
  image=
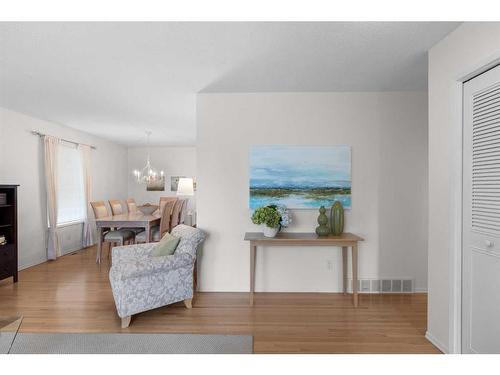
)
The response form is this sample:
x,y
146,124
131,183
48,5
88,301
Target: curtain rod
x,y
36,132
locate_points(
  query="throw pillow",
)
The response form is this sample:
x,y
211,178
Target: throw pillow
x,y
166,246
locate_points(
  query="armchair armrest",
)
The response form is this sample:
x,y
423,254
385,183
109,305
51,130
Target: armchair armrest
x,y
151,265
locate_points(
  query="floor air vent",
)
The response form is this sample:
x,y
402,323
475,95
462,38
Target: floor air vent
x,y
384,286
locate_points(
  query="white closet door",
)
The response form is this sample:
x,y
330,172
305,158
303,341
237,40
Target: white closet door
x,y
481,215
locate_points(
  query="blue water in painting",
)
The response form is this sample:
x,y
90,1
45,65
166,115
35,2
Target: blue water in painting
x,y
306,171
300,202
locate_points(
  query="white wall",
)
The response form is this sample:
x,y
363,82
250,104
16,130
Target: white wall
x,y
466,49
388,135
21,163
174,161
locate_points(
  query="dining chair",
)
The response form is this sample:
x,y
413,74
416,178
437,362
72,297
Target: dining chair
x,y
117,209
131,205
176,213
158,231
119,236
164,201
166,218
182,214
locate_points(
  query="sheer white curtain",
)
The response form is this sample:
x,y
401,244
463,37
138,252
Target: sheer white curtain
x,y
51,145
87,188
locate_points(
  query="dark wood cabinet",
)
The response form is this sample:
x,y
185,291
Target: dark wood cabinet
x,y
8,229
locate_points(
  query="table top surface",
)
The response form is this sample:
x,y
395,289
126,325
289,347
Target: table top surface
x,y
130,216
297,236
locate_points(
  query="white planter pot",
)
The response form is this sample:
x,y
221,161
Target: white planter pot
x,y
269,232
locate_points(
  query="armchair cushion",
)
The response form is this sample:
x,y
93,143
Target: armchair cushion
x,y
155,235
119,235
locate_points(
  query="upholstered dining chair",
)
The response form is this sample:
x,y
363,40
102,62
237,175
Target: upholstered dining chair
x,y
166,218
176,213
117,209
120,236
131,205
116,206
157,232
182,214
164,201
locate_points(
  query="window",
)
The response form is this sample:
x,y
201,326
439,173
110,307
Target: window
x,y
70,194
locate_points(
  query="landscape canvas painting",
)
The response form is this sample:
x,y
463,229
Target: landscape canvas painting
x,y
300,176
156,186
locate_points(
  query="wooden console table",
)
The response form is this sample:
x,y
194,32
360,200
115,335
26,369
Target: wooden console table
x,y
344,241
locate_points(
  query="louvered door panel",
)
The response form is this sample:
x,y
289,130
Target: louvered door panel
x,y
481,214
486,161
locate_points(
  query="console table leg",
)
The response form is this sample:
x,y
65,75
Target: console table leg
x,y
344,268
253,250
355,274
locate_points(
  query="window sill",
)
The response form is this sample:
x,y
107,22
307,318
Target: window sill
x,y
69,224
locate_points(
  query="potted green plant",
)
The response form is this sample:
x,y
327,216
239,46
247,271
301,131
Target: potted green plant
x,y
269,218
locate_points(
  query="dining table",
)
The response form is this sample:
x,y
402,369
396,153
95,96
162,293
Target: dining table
x,y
126,220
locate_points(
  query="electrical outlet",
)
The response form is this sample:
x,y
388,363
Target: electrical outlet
x,y
329,265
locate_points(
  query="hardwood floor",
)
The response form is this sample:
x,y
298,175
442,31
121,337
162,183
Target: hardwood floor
x,y
73,294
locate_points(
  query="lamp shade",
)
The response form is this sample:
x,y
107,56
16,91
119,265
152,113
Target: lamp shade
x,y
185,186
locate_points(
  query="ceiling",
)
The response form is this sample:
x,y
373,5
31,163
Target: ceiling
x,y
117,80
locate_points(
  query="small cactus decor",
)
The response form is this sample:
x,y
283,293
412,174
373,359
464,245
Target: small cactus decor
x,y
322,229
337,218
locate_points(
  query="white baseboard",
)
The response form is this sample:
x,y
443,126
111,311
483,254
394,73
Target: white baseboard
x,y
32,263
438,344
71,250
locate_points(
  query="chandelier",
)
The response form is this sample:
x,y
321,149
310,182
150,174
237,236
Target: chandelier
x,y
148,174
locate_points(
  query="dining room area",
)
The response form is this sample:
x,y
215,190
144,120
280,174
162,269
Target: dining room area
x,y
85,207
77,191
126,223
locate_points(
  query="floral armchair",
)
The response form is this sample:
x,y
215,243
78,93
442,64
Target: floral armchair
x,y
141,282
